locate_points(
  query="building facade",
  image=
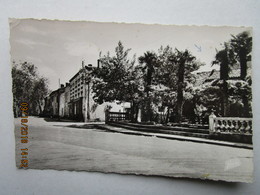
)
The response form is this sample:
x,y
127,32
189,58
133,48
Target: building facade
x,y
80,94
75,99
67,100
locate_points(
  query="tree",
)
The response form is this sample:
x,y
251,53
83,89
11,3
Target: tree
x,y
149,60
225,59
236,51
240,94
241,44
165,75
242,47
28,86
175,79
40,89
110,77
117,79
186,63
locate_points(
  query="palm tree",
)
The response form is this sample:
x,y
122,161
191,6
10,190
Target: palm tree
x,y
225,59
182,60
149,59
242,47
222,60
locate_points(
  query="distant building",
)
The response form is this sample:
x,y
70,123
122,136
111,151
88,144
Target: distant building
x,y
54,103
61,101
79,93
67,100
75,100
209,76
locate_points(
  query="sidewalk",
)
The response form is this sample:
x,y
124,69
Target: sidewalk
x,y
175,137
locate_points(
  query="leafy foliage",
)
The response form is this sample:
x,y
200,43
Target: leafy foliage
x,y
28,86
234,90
118,79
225,59
242,47
163,82
114,77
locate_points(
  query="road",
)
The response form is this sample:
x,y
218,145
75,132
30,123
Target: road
x,y
52,145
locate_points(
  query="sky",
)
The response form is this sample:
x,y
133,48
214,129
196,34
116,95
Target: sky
x,y
58,48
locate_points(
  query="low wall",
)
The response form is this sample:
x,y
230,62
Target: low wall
x,y
233,129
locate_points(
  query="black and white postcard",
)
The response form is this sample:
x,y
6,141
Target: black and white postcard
x,y
162,100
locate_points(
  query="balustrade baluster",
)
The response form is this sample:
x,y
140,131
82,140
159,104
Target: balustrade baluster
x,y
220,125
247,129
236,126
233,129
223,127
250,125
242,127
232,125
228,126
216,129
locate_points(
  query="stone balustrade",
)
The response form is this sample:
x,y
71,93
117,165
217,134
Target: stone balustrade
x,y
230,125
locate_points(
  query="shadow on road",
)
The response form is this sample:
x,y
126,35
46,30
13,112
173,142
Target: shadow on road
x,y
59,120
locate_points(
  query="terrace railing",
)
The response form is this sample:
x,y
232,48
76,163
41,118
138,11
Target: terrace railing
x,y
230,125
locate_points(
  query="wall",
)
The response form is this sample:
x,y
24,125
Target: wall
x,y
62,104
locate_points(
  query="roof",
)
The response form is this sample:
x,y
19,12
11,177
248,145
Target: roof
x,y
207,76
89,68
202,77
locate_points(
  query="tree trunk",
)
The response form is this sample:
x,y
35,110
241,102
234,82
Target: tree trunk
x,y
243,75
246,106
40,108
224,70
136,112
243,67
148,89
179,103
180,91
132,118
88,98
167,115
225,104
148,110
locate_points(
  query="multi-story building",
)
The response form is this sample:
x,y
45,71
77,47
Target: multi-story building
x,y
75,100
61,101
54,103
80,93
67,100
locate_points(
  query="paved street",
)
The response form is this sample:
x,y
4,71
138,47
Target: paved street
x,y
54,146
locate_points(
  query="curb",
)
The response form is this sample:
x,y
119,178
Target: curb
x,y
177,137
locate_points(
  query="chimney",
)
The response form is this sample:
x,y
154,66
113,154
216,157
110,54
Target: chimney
x,y
82,63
